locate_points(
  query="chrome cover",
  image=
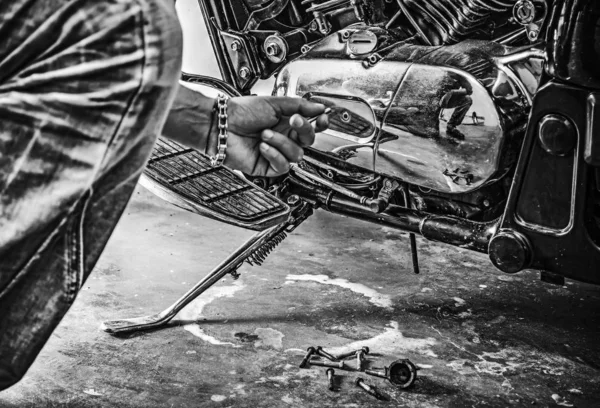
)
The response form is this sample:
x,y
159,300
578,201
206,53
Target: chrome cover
x,y
410,94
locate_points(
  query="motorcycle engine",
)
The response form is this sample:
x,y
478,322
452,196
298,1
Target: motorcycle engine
x,y
433,92
448,118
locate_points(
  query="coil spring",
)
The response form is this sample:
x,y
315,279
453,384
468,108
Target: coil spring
x,y
260,254
450,21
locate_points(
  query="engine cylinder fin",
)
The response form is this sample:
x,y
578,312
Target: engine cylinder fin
x,y
450,21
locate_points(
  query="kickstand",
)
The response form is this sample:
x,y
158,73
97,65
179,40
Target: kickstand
x,y
413,252
253,251
412,236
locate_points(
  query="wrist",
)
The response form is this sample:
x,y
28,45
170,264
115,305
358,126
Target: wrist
x,y
212,134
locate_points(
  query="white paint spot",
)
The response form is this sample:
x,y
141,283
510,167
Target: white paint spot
x,y
460,367
424,366
483,286
507,384
561,401
465,315
295,351
576,391
424,290
391,342
92,392
505,278
239,389
459,301
269,338
193,311
218,398
190,352
279,378
288,399
375,297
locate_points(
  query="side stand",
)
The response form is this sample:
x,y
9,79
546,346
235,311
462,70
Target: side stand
x,y
254,250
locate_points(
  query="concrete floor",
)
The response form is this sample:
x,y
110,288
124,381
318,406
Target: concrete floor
x,y
482,338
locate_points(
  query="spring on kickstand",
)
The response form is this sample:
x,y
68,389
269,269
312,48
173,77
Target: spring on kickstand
x,y
450,21
260,254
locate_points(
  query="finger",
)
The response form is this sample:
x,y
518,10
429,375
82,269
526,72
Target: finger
x,y
278,164
321,124
286,146
287,106
305,132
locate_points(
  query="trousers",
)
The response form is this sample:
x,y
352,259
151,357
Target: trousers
x,y
85,88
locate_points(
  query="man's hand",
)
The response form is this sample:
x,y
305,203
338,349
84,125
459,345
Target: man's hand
x,y
266,134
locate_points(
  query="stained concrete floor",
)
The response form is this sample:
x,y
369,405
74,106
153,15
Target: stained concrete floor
x,y
481,338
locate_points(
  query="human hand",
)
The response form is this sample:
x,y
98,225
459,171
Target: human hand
x,y
266,133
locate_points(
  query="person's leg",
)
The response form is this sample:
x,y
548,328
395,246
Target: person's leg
x,y
85,86
461,106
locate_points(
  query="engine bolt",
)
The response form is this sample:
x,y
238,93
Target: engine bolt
x,y
371,390
310,352
272,49
330,372
365,350
359,360
321,363
293,200
236,46
379,374
244,72
325,354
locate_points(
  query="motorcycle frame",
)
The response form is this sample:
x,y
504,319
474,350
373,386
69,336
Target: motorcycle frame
x,y
565,180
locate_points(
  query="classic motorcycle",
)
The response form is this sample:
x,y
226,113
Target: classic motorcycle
x,y
468,122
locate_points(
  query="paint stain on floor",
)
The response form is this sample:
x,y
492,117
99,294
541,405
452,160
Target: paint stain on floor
x,y
378,299
193,311
391,342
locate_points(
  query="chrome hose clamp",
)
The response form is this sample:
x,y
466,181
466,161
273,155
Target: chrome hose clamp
x,y
219,158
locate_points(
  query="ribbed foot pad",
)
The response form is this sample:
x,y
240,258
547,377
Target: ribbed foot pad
x,y
184,177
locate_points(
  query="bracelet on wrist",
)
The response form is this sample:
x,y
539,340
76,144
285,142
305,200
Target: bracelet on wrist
x,y
222,123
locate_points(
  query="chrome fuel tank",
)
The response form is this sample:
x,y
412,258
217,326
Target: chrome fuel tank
x,y
449,119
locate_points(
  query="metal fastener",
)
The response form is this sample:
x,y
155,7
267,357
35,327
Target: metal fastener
x,y
293,200
244,72
272,49
334,364
330,372
368,388
352,353
236,46
325,354
379,374
359,360
310,351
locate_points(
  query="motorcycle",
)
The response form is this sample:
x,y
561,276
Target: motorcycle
x,y
469,122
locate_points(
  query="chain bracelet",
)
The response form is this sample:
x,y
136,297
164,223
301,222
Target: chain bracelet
x,y
219,158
